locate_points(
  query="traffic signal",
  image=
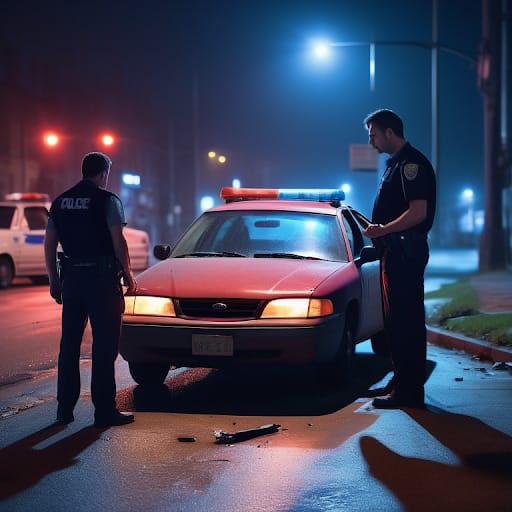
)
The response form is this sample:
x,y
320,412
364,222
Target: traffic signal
x,y
107,139
51,139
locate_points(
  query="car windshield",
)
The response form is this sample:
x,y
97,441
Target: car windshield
x,y
264,234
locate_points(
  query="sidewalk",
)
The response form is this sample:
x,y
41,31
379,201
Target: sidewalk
x,y
494,290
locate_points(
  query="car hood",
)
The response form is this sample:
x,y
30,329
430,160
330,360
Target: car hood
x,y
235,277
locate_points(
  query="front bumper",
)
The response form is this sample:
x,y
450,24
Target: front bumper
x,y
294,342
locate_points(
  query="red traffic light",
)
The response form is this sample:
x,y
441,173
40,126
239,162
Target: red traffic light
x,y
51,139
107,139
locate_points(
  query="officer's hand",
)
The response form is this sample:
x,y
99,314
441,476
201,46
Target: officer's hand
x,y
374,230
56,291
129,282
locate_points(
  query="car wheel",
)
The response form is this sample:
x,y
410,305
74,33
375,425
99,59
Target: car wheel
x,y
380,344
145,373
336,373
6,273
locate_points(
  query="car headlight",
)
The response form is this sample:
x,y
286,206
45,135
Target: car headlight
x,y
297,308
146,305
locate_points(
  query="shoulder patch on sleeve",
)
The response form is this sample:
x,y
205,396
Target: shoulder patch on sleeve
x,y
411,171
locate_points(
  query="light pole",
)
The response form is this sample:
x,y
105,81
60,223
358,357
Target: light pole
x,y
322,51
493,86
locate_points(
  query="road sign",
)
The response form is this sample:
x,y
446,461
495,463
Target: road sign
x,y
363,157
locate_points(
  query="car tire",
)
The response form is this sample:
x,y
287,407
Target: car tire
x,y
380,344
148,374
6,273
337,373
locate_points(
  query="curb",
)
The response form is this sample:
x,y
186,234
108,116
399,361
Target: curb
x,y
480,348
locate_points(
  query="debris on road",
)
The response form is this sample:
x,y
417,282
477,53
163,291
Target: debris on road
x,y
242,435
503,366
187,439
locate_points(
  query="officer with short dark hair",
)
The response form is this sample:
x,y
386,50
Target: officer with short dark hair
x,y
402,216
88,222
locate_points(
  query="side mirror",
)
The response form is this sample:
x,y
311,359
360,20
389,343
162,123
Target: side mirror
x,y
368,253
161,252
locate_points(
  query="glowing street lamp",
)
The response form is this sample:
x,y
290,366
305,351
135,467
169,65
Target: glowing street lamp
x,y
322,50
213,155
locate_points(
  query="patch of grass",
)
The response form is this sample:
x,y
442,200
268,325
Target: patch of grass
x,y
459,313
493,327
461,301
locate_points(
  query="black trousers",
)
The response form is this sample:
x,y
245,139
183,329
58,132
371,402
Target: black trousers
x,y
402,273
90,293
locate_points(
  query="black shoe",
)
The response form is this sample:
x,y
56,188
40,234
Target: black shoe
x,y
386,390
113,420
64,417
397,402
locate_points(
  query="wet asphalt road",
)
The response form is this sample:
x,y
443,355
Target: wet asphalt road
x,y
333,451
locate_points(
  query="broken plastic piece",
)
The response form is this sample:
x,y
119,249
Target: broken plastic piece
x,y
187,439
242,435
502,366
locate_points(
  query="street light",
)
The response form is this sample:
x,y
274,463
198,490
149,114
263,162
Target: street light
x,y
492,242
213,155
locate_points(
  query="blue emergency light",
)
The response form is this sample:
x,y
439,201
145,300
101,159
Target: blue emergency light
x,y
299,194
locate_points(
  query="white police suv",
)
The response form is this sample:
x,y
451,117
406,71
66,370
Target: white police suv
x,y
23,219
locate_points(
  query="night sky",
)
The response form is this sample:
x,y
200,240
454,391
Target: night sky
x,y
281,119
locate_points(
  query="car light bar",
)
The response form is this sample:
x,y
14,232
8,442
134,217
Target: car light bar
x,y
309,194
27,196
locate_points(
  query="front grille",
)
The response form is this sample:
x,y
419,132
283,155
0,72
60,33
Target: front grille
x,y
219,308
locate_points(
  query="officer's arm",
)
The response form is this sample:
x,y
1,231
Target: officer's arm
x,y
414,215
122,255
50,256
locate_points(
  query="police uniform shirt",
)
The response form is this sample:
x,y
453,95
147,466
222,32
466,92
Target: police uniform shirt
x,y
110,209
408,176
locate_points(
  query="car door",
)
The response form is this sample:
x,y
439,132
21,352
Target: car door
x,y
29,237
371,294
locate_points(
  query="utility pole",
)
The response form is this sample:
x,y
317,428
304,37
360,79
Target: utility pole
x,y
492,240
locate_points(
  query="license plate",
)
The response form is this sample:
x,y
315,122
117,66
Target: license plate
x,y
212,345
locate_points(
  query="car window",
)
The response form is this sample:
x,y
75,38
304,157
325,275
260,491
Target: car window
x,y
6,215
36,217
355,235
264,233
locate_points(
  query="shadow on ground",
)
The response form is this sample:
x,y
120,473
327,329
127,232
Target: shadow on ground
x,y
255,391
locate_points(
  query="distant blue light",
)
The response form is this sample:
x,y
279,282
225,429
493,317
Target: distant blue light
x,y
131,180
207,202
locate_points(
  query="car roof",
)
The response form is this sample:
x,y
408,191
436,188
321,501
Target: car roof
x,y
324,208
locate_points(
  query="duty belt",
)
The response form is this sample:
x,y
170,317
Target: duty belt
x,y
397,240
101,262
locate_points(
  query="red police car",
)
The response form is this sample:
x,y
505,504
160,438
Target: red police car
x,y
272,277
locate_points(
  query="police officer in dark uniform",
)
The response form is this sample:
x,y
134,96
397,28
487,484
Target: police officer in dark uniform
x,y
88,222
402,216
